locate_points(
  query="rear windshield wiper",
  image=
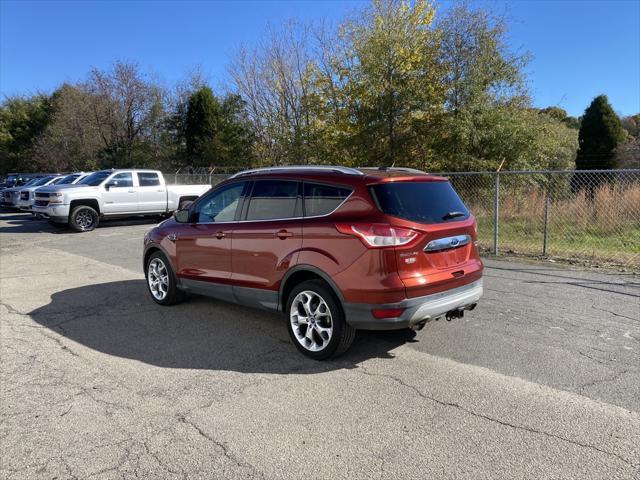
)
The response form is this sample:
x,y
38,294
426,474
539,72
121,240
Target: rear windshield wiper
x,y
451,215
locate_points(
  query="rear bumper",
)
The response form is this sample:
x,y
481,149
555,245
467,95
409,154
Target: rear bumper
x,y
417,309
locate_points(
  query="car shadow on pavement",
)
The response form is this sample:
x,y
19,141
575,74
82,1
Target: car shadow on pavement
x,y
120,319
27,223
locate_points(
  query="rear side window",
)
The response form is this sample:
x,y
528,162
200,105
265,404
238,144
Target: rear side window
x,y
148,179
274,199
322,199
424,202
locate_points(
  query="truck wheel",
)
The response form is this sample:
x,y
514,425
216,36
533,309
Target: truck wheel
x,y
316,323
83,219
161,281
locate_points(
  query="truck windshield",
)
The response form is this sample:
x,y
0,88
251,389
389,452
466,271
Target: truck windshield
x,y
95,179
40,181
424,202
66,180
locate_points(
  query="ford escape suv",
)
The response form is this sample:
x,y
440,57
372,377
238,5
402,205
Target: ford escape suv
x,y
336,249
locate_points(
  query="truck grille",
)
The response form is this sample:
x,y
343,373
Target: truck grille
x,y
24,195
42,195
41,203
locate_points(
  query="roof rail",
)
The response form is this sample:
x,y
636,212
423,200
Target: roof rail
x,y
318,168
394,169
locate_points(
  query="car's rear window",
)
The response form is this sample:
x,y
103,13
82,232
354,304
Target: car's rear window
x,y
423,202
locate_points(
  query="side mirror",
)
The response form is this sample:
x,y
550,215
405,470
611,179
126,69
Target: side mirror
x,y
182,216
107,186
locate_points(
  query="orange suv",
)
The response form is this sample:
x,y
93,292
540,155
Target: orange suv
x,y
336,249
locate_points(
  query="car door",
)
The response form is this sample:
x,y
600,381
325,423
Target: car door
x,y
120,194
152,193
203,246
267,240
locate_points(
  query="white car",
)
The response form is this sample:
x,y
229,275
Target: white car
x,y
27,194
112,194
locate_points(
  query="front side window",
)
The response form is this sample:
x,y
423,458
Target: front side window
x,y
220,205
148,179
322,199
124,179
274,199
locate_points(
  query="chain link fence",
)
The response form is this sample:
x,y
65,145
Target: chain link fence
x,y
589,217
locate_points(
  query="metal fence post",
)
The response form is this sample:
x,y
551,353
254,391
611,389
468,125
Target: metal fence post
x,y
546,222
496,213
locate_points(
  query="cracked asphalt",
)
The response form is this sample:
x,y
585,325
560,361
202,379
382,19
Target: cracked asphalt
x,y
542,380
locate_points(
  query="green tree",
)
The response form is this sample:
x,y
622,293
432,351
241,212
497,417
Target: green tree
x,y
71,140
382,90
217,133
488,117
600,133
22,120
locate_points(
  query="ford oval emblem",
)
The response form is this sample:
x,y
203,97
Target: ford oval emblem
x,y
454,242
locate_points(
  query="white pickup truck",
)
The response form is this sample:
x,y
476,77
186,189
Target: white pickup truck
x,y
111,194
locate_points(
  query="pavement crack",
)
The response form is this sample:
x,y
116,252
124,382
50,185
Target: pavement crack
x,y
225,450
11,309
614,313
497,420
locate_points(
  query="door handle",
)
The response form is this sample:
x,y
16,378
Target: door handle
x,y
282,234
220,235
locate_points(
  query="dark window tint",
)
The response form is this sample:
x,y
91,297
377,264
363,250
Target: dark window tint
x,y
148,179
220,205
322,199
424,202
273,199
67,180
95,179
122,180
41,181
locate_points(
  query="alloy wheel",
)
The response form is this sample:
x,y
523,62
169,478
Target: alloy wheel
x,y
311,321
158,278
84,219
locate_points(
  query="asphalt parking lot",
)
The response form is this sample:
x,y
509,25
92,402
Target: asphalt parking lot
x,y
542,380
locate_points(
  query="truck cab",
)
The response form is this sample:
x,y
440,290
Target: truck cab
x,y
112,193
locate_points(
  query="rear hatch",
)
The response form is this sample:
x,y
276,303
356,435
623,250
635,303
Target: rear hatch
x,y
444,253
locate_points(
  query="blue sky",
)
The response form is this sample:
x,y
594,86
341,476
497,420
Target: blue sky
x,y
580,48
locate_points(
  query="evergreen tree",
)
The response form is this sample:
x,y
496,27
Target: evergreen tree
x,y
202,124
217,132
600,132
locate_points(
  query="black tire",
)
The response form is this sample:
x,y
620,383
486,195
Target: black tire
x,y
83,219
173,293
343,334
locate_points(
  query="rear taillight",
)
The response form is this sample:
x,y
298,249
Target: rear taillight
x,y
378,235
